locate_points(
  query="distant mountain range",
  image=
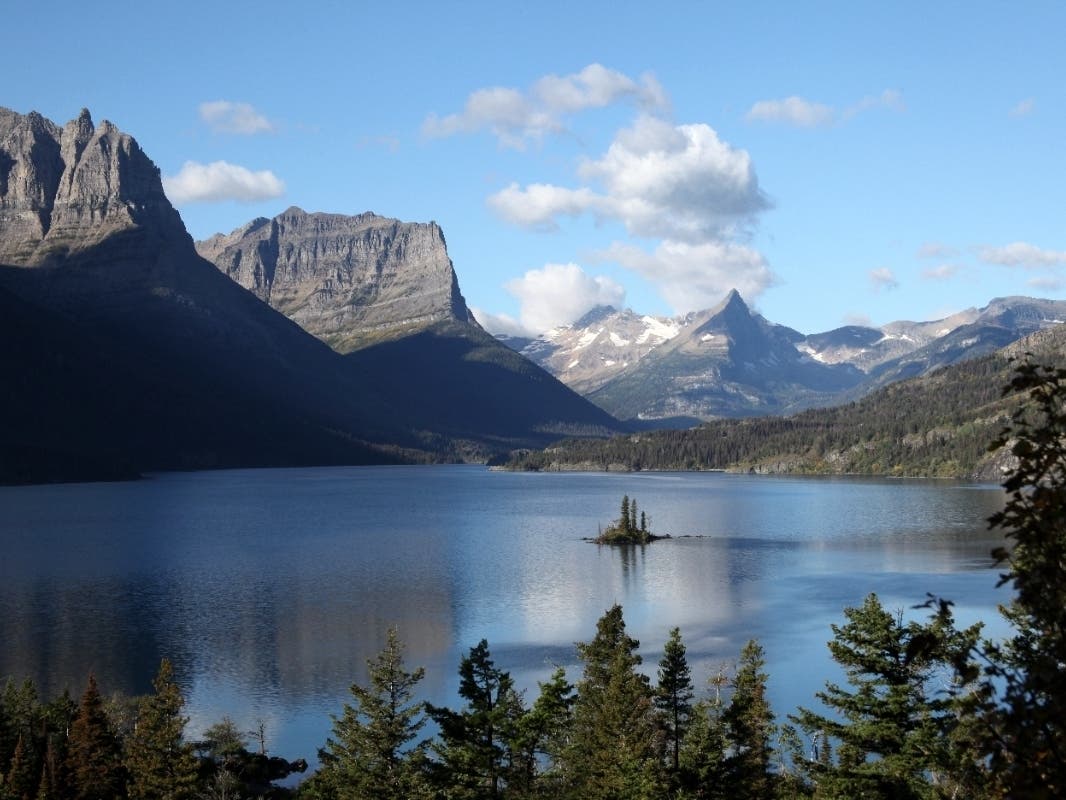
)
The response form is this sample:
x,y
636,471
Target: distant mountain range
x,y
935,425
126,351
730,362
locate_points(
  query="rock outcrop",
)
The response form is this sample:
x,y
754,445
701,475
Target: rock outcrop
x,y
349,280
65,190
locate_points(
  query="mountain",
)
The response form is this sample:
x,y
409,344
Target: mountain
x,y
725,361
939,424
349,280
385,293
126,351
729,362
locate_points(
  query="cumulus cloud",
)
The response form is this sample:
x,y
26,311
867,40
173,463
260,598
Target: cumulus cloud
x,y
1023,255
220,181
224,116
673,182
803,113
941,272
556,294
883,278
695,276
1023,108
500,324
517,117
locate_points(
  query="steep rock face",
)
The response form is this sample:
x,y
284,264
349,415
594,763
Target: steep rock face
x,y
65,190
349,280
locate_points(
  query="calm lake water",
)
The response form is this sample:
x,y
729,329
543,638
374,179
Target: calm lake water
x,y
269,589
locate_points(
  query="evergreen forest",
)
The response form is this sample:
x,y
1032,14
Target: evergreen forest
x,y
937,425
926,709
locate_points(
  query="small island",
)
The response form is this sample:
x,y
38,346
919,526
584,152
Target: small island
x,y
629,528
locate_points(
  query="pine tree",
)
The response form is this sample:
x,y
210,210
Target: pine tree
x,y
161,765
893,732
94,753
540,739
22,777
474,741
674,695
750,728
616,748
370,754
624,519
1025,714
702,772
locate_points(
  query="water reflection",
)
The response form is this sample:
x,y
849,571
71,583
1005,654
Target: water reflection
x,y
270,589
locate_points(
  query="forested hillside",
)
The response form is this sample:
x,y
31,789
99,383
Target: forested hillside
x,y
938,425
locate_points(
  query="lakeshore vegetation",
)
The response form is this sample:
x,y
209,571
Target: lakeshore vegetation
x,y
927,709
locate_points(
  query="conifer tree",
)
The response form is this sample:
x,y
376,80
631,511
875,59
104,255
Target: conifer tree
x,y
474,742
893,732
541,737
615,751
160,763
94,753
750,728
22,778
624,520
702,772
370,754
674,695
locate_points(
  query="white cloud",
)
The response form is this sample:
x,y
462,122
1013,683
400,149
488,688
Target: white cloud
x,y
557,294
803,113
498,323
1022,254
857,318
694,276
791,111
515,117
936,250
220,181
1023,108
675,182
941,272
883,278
1046,283
223,116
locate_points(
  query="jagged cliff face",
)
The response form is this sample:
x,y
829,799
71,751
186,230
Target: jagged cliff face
x,y
65,190
349,280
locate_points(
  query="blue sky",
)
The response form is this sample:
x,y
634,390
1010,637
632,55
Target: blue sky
x,y
836,162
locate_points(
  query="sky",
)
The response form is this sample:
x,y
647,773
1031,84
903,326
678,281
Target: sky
x,y
836,162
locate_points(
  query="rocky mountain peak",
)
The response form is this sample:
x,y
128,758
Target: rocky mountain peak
x,y
348,279
65,190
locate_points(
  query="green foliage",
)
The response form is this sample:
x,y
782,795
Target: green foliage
x,y
615,749
750,728
370,753
893,733
224,739
475,742
673,696
161,764
1025,707
625,529
94,752
938,425
541,736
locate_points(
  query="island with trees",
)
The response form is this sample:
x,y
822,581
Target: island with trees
x,y
629,528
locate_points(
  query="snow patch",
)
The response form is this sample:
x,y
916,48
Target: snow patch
x,y
573,363
617,340
587,338
654,328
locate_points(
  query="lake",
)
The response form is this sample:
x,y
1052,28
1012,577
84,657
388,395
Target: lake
x,y
269,589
